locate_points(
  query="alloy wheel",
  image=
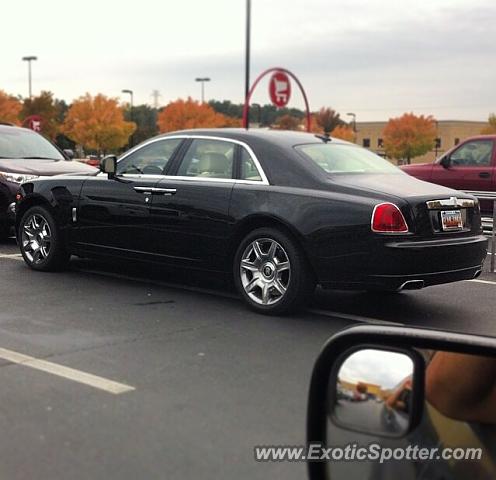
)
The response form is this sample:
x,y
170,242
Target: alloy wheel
x,y
36,238
265,271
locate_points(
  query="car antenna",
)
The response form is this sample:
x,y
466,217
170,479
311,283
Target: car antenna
x,y
325,137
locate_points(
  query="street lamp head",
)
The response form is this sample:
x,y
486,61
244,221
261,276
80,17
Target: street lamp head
x,y
202,79
29,58
127,91
351,114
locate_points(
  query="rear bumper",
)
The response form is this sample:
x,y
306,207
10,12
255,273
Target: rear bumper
x,y
391,265
421,280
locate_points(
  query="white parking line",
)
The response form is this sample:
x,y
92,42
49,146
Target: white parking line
x,y
94,381
12,256
482,281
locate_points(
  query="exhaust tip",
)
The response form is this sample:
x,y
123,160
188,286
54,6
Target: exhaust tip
x,y
412,285
477,273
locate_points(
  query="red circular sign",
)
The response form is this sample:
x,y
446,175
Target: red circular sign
x,y
33,122
280,89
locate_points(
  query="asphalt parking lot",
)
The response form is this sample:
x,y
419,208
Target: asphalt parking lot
x,y
131,373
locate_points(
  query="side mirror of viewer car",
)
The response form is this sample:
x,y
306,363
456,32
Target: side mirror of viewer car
x,y
445,162
396,385
108,165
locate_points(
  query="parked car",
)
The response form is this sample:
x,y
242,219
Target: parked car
x,y
470,166
25,155
280,211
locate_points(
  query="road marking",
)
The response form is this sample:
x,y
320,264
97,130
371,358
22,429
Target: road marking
x,y
355,318
482,281
65,372
12,256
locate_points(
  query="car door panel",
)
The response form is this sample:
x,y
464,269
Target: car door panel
x,y
192,225
115,214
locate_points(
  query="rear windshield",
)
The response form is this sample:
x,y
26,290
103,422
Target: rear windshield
x,y
340,158
16,144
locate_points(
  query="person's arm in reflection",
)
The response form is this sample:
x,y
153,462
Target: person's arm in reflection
x,y
399,398
462,387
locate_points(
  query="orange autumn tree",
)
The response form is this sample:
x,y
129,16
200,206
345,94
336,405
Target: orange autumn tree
x,y
97,123
409,136
185,114
10,108
344,133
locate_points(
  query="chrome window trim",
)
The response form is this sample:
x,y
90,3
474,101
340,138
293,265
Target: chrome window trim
x,y
264,178
450,202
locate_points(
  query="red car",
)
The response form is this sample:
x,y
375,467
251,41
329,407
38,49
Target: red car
x,y
470,166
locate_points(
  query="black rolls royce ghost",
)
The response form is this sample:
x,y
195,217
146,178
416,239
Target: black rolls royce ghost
x,y
280,211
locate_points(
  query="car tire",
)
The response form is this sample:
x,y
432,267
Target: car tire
x,y
271,272
41,244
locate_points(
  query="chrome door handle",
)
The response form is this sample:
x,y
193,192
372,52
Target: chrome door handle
x,y
164,191
144,190
155,190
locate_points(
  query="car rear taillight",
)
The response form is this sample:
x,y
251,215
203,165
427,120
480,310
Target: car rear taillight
x,y
387,218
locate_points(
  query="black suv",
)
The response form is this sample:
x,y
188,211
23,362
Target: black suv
x,y
24,155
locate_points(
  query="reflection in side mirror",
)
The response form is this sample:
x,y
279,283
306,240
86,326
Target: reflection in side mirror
x,y
109,165
69,153
372,392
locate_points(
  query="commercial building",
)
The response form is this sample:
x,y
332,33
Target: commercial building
x,y
449,133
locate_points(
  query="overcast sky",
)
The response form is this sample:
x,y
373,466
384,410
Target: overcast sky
x,y
377,58
378,367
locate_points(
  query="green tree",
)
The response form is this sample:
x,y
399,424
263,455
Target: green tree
x,y
266,115
145,118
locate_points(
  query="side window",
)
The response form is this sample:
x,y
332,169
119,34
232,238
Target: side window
x,y
249,170
208,158
150,159
477,153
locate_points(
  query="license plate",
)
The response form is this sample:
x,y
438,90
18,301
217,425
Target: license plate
x,y
451,220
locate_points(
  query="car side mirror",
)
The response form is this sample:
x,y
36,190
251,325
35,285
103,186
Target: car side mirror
x,y
69,153
108,165
387,382
445,162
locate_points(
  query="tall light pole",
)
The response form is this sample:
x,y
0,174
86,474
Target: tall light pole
x,y
202,80
132,99
131,94
354,121
29,59
247,58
